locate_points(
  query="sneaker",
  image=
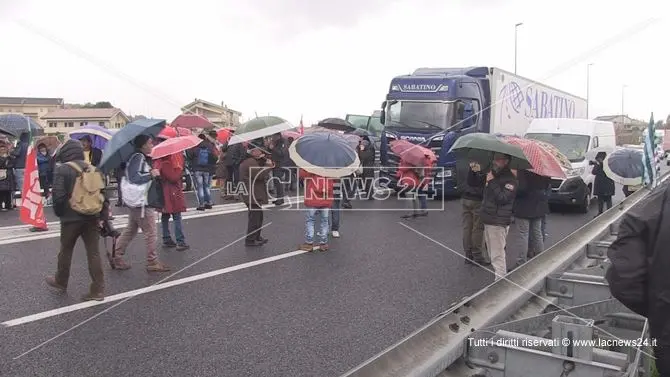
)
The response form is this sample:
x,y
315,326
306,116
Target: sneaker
x,y
200,209
307,247
208,206
278,202
169,244
254,243
323,247
93,297
157,266
51,281
335,234
182,247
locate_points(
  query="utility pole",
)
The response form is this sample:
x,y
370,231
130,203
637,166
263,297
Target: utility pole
x,y
516,33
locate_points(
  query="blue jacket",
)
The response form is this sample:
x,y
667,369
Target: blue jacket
x,y
44,166
138,169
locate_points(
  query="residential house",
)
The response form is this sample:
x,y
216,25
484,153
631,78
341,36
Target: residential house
x,y
219,115
34,108
627,130
66,120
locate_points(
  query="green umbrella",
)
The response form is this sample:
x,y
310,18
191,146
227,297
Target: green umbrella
x,y
480,147
258,128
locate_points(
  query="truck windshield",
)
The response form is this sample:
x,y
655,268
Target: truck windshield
x,y
574,147
420,115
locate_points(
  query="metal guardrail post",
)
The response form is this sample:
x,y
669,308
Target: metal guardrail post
x,y
438,344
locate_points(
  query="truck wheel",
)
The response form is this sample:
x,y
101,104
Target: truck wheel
x,y
586,203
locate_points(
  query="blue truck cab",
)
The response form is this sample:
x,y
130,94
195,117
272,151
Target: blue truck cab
x,y
433,107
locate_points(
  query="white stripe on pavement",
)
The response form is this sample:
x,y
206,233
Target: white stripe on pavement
x,y
152,288
54,231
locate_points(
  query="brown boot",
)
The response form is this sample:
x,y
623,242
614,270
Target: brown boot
x,y
91,296
156,266
307,247
51,281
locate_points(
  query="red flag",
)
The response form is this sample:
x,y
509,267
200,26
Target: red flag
x,y
32,208
301,127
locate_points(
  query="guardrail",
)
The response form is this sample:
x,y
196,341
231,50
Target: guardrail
x,y
441,346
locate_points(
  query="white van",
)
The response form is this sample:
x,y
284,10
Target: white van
x,y
579,140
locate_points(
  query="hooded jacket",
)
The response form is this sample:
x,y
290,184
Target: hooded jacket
x,y
19,153
64,179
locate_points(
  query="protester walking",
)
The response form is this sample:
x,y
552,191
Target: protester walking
x,y
531,205
44,169
79,203
366,153
318,200
603,186
203,159
497,210
138,179
640,262
472,193
413,180
6,178
255,171
171,169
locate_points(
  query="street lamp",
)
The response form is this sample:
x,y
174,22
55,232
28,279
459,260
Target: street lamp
x,y
624,86
588,82
516,33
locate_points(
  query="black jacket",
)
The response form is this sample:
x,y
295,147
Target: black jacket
x,y
603,185
531,200
638,275
193,155
64,179
367,157
235,154
498,203
279,154
19,153
96,156
471,184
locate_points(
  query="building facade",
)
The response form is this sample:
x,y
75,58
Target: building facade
x,y
219,115
66,120
34,108
627,130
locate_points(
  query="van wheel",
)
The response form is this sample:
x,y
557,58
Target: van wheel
x,y
586,203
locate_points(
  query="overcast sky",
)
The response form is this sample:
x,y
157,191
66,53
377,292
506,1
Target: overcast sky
x,y
324,58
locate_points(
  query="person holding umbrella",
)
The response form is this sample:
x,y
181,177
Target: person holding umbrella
x,y
92,155
254,173
603,185
139,175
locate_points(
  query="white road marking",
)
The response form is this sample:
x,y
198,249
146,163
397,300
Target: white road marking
x,y
152,288
120,222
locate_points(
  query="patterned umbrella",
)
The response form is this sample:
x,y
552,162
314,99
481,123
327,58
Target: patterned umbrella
x,y
16,124
413,154
544,162
563,160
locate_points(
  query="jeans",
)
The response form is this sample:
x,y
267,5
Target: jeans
x,y
18,176
178,230
278,179
335,215
531,239
202,182
310,224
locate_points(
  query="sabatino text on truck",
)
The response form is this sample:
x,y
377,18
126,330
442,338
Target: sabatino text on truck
x,y
435,106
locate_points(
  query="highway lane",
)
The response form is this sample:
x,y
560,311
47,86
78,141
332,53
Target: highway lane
x,y
307,315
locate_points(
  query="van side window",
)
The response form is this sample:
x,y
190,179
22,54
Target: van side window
x,y
594,143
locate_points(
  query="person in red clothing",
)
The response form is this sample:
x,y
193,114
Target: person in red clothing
x,y
414,181
318,200
171,169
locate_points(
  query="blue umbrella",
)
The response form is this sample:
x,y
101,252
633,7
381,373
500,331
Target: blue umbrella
x,y
16,124
625,166
325,154
99,135
120,147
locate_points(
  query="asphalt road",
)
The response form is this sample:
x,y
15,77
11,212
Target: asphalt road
x,y
305,314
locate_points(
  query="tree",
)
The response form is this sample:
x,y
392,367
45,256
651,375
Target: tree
x,y
89,105
659,125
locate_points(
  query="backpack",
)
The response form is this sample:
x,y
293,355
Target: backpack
x,y
87,197
203,157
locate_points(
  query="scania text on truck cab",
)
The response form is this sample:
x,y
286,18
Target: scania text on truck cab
x,y
435,106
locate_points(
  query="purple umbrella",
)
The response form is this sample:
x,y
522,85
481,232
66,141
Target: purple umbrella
x,y
99,135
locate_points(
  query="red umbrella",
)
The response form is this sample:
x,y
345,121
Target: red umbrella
x,y
223,135
175,145
295,135
191,121
170,132
542,159
413,154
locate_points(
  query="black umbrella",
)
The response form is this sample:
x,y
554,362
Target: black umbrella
x,y
337,124
16,124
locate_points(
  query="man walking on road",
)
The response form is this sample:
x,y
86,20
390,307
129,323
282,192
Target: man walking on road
x,y
640,263
75,225
254,173
497,209
472,194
